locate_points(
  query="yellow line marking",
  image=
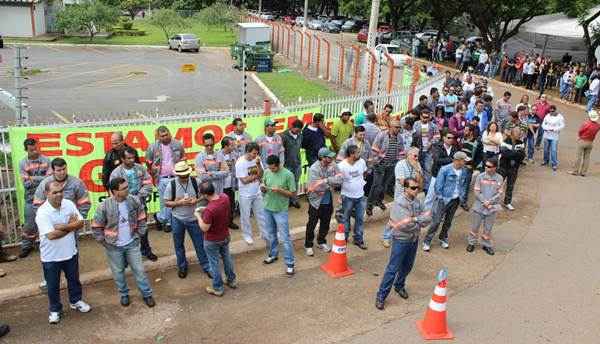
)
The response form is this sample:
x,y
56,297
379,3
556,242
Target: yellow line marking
x,y
102,82
61,117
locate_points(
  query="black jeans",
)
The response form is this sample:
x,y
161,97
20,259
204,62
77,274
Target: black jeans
x,y
441,212
52,276
382,176
321,215
511,178
231,194
469,176
145,248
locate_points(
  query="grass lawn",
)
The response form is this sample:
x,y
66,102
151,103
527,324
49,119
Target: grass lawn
x,y
209,36
289,85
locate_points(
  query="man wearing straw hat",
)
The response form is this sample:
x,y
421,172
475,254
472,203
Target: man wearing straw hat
x,y
585,140
182,196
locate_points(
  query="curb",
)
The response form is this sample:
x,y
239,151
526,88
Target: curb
x,y
267,90
163,263
92,45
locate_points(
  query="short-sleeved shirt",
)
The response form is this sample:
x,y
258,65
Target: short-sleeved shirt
x,y
244,168
283,179
182,212
134,182
57,250
217,214
166,163
342,131
353,179
124,236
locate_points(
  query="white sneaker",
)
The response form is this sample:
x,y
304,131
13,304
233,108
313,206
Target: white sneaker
x,y
290,271
81,306
426,247
444,244
324,247
43,285
509,206
309,251
54,317
386,243
249,241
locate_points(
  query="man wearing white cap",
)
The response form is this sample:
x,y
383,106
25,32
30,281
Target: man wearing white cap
x,y
182,196
585,140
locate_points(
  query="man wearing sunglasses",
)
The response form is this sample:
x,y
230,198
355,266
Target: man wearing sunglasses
x,y
488,191
270,144
208,167
407,217
441,153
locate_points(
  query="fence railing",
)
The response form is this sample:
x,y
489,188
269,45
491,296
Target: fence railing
x,y
400,98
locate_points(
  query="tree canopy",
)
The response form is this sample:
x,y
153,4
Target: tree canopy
x,y
89,16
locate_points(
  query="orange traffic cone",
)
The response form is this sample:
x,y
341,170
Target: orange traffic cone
x,y
434,326
337,266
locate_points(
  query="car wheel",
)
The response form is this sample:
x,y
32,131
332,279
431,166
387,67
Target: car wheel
x,y
179,49
197,50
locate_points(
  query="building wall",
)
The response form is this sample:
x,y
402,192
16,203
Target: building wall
x,y
40,18
15,21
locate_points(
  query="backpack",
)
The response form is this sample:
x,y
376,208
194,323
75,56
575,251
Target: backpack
x,y
173,187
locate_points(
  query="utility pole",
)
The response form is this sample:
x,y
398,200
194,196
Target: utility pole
x,y
259,7
372,38
20,109
244,81
305,16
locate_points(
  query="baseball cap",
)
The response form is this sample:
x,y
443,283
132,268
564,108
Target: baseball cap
x,y
460,156
345,111
269,122
325,152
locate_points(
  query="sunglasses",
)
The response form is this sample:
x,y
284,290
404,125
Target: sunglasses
x,y
413,187
490,166
450,137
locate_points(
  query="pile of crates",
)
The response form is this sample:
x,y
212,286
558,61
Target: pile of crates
x,y
258,57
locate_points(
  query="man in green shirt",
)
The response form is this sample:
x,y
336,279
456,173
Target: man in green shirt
x,y
278,186
580,81
342,130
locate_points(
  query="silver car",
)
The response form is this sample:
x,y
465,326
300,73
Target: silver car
x,y
184,41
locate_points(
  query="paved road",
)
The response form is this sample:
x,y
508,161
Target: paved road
x,y
93,82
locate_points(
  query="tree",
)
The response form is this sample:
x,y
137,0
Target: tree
x,y
586,11
355,7
132,6
167,20
399,9
442,13
220,14
497,21
87,16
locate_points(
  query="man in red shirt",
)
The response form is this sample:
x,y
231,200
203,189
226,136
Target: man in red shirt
x,y
586,135
541,109
213,221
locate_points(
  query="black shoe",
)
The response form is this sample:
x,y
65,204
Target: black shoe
x,y
381,206
125,300
25,252
152,257
402,293
295,205
489,250
149,301
360,245
167,228
379,305
233,226
158,224
470,248
182,273
4,329
269,260
369,210
208,274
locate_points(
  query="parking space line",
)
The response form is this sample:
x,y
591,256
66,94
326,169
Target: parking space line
x,y
77,74
106,81
61,117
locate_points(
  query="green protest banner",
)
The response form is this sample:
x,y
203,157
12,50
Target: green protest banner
x,y
84,148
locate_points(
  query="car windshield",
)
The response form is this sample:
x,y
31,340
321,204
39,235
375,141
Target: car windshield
x,y
393,50
188,37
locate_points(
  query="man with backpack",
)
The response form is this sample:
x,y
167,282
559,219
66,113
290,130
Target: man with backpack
x,y
181,196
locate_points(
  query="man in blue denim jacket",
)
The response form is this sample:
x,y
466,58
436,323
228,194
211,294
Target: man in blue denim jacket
x,y
450,186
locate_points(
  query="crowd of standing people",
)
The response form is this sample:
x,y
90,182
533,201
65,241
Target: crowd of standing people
x,y
451,145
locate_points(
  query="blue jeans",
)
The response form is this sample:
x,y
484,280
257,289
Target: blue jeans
x,y
402,258
164,215
358,204
215,251
297,171
131,255
52,276
179,227
551,152
530,145
276,224
591,102
540,137
426,160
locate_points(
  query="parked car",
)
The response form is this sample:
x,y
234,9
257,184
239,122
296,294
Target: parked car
x,y
1,42
300,21
331,26
184,41
267,16
350,25
339,21
315,24
290,20
474,39
393,51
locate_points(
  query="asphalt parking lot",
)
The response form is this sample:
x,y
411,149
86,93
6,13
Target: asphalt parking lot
x,y
97,81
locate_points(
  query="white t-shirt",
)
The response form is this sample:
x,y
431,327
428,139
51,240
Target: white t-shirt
x,y
47,217
353,179
124,236
594,87
242,170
